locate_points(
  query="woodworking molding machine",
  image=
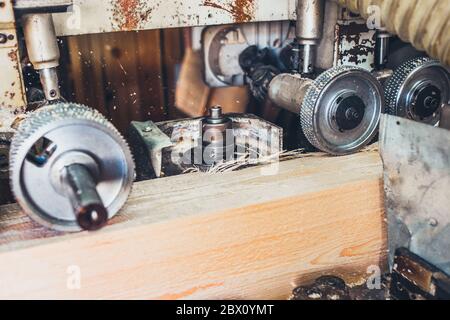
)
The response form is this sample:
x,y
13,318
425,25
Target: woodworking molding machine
x,y
352,71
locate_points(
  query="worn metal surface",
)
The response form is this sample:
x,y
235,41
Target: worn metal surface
x,y
308,31
340,112
94,16
42,45
58,136
288,91
12,92
222,46
310,18
417,89
326,47
416,160
427,27
354,43
251,132
154,140
43,51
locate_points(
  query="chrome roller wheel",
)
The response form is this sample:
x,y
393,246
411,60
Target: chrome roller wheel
x,y
341,110
70,169
417,90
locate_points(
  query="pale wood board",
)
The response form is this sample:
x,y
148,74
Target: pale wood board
x,y
234,235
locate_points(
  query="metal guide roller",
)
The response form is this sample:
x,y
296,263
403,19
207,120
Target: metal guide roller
x,y
70,169
417,90
339,110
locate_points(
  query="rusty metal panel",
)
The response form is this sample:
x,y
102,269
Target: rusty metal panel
x,y
416,160
354,43
12,91
94,16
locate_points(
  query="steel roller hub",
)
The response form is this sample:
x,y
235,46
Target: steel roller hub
x,y
417,90
70,168
341,110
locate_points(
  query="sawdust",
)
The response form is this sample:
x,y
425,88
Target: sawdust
x,y
247,159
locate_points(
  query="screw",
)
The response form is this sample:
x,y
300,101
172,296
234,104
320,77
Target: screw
x,y
431,102
433,222
351,114
3,38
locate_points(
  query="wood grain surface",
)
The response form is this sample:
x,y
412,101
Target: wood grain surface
x,y
242,234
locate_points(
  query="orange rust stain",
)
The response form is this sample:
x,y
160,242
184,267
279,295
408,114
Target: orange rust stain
x,y
241,10
129,9
13,55
130,14
181,295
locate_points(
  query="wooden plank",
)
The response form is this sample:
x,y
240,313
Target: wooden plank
x,y
151,100
172,56
234,235
119,74
74,70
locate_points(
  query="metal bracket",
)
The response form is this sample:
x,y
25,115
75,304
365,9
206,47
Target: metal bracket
x,y
155,141
416,160
160,149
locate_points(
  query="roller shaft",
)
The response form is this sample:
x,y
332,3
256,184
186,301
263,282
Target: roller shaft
x,y
288,90
43,51
218,143
382,49
50,83
309,21
310,16
88,207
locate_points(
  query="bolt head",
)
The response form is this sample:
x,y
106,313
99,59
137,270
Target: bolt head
x,y
3,38
433,222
